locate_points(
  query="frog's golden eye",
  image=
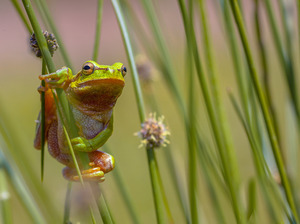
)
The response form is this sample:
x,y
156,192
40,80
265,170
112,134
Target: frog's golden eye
x,y
123,70
88,68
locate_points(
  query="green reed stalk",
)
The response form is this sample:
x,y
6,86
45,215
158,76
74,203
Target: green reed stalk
x,y
237,59
14,149
266,181
210,174
104,210
165,60
153,167
124,191
160,63
44,71
98,30
5,198
67,206
285,60
263,104
22,15
230,175
21,190
265,71
192,158
52,25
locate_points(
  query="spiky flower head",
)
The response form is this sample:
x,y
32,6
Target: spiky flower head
x,y
51,41
153,132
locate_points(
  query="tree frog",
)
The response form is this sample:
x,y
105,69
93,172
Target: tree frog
x,y
92,94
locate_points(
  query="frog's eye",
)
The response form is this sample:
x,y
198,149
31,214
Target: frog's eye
x,y
88,68
123,70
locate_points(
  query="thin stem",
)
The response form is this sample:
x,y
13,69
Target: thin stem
x,y
56,33
265,71
237,59
192,167
98,30
230,174
152,163
158,200
263,104
44,71
104,210
124,192
22,15
5,200
130,56
285,60
67,207
22,191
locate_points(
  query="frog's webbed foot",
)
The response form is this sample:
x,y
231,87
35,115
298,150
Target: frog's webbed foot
x,y
93,174
58,79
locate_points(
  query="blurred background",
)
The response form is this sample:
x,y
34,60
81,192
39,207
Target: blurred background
x,y
76,21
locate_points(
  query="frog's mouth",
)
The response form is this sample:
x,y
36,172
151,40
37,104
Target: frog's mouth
x,y
96,95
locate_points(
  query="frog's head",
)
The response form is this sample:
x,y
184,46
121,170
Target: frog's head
x,y
97,87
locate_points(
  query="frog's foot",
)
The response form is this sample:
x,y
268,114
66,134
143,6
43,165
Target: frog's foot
x,y
41,89
94,174
57,79
103,160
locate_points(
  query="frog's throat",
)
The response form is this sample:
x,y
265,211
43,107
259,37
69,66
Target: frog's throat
x,y
96,97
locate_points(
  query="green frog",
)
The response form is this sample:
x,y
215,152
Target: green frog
x,y
92,94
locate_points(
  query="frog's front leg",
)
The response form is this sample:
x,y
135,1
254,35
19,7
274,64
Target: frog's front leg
x,y
59,79
88,145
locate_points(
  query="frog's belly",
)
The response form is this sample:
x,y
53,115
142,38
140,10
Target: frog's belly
x,y
88,126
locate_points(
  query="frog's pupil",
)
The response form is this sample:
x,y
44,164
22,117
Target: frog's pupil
x,y
125,69
86,67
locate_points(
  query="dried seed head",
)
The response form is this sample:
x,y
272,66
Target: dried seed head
x,y
51,41
153,132
145,69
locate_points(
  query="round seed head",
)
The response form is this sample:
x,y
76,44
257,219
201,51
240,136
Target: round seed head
x,y
51,41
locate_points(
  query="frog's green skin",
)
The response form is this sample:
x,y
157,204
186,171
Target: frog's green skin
x,y
92,94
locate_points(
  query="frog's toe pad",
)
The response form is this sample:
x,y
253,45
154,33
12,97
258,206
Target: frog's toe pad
x,y
93,174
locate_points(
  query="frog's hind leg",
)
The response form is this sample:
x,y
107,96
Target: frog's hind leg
x,y
53,146
50,117
105,161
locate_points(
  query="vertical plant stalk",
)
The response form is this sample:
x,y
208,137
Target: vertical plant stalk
x,y
22,191
165,62
98,30
265,110
55,31
216,98
5,202
103,208
230,174
129,52
67,207
124,192
152,163
44,71
265,71
192,167
237,62
22,15
192,146
261,167
285,60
